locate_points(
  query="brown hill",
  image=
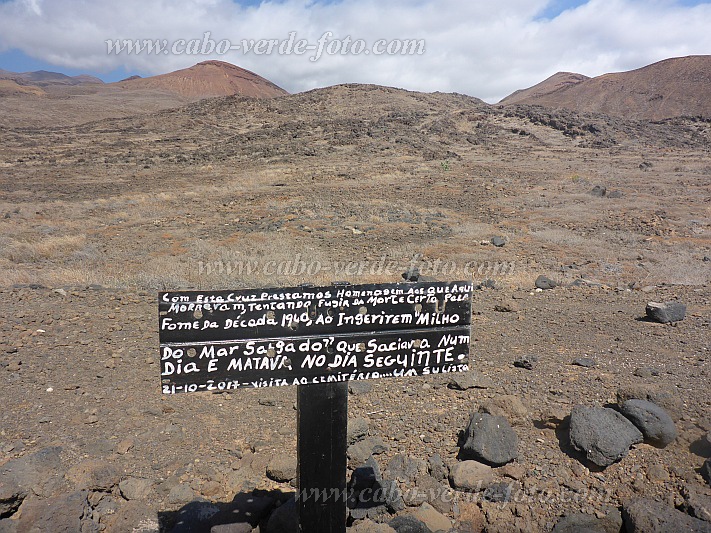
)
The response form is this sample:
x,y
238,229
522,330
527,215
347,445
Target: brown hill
x,y
670,88
208,79
44,78
12,88
556,82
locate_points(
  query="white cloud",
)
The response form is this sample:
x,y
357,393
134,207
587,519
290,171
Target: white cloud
x,y
471,47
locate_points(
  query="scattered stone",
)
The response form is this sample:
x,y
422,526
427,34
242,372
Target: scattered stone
x,y
667,312
498,241
490,439
509,307
666,399
644,515
36,472
555,416
646,372
404,468
124,446
469,380
181,494
134,488
508,406
526,361
585,523
357,430
514,471
11,496
359,452
282,468
14,366
586,362
66,512
433,519
196,516
602,434
471,519
654,422
706,471
544,283
360,386
499,492
471,476
599,191
408,524
438,470
93,474
697,505
615,194
656,473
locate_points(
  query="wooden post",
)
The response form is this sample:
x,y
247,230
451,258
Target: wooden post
x,y
321,419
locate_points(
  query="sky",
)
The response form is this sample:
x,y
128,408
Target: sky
x,y
483,49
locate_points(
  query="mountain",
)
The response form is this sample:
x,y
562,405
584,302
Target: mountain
x,y
208,79
560,80
670,88
44,78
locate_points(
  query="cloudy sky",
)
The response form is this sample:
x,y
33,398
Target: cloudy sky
x,y
481,48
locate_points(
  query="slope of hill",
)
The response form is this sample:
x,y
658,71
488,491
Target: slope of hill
x,y
44,78
208,79
670,88
12,88
560,80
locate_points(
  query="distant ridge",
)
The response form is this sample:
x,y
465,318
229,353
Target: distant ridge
x,y
208,79
670,88
44,78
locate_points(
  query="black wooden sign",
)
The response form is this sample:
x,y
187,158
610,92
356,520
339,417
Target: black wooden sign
x,y
221,340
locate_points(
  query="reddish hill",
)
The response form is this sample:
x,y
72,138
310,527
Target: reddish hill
x,y
208,79
670,88
560,80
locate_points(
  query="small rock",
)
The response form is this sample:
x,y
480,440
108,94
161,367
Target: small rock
x,y
498,241
240,527
408,524
181,494
602,434
657,474
93,474
472,379
646,372
490,439
368,526
438,470
508,307
134,488
508,406
514,471
124,446
282,469
706,471
433,519
655,424
644,515
357,430
599,191
14,366
697,505
359,452
586,362
404,468
11,496
579,523
66,512
471,476
526,361
667,312
544,283
411,274
664,398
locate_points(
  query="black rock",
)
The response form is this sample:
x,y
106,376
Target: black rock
x,y
706,471
438,470
498,492
543,282
579,523
602,434
599,191
642,515
11,496
615,194
66,512
586,362
408,524
526,361
490,439
654,422
498,241
284,519
666,312
404,468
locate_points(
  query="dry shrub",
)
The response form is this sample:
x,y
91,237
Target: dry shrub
x,y
50,248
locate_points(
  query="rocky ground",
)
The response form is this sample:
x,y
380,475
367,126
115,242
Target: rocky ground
x,y
96,218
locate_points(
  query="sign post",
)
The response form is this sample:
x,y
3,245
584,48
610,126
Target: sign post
x,y
317,338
